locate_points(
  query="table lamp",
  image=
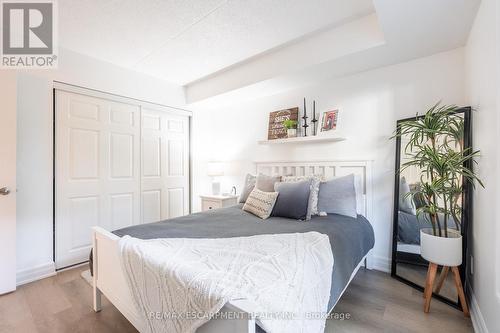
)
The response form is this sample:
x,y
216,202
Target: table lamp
x,y
215,169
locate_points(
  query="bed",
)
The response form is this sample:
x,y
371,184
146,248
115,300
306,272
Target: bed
x,y
351,240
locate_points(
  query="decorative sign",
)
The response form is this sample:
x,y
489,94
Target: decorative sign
x,y
276,129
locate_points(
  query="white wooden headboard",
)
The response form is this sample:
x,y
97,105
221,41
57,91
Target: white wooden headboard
x,y
328,169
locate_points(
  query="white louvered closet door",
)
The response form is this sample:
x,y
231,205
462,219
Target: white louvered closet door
x,y
165,165
97,171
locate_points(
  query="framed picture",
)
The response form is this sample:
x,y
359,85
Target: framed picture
x,y
330,120
276,129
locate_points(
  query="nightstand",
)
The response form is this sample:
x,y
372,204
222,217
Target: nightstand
x,y
209,202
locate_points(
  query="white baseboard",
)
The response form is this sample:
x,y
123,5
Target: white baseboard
x,y
36,273
382,264
475,314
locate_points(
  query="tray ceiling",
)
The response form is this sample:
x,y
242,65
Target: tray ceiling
x,y
182,41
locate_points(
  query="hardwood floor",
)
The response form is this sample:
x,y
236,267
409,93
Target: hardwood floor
x,y
378,303
374,301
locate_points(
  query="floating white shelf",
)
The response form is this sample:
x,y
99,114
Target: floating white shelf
x,y
303,139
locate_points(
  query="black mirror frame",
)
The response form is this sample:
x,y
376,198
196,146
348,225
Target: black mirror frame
x,y
466,211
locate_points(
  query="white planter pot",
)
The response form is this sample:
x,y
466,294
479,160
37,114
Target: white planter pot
x,y
440,250
291,132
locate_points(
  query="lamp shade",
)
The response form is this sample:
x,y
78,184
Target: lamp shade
x,y
215,169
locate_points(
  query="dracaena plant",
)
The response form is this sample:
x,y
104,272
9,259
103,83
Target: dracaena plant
x,y
435,147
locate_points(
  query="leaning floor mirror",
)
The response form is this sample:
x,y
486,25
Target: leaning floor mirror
x,y
411,211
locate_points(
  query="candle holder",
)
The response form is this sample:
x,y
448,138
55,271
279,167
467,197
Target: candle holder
x,y
314,121
305,126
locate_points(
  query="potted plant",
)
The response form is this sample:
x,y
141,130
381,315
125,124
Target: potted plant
x,y
291,127
435,148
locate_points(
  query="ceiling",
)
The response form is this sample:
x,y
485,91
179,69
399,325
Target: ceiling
x,y
182,41
411,29
241,49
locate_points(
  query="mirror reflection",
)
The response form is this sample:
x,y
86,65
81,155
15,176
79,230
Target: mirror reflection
x,y
413,212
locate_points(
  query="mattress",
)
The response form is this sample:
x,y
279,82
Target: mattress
x,y
350,238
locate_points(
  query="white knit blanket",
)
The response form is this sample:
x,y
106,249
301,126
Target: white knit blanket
x,y
178,284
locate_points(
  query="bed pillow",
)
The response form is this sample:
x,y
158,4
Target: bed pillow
x,y
292,200
312,207
266,183
260,203
338,196
406,203
247,187
358,187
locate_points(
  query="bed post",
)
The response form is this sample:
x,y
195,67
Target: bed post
x,y
96,291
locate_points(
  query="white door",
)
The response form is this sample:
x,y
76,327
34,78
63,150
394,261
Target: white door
x,y
8,96
165,165
97,171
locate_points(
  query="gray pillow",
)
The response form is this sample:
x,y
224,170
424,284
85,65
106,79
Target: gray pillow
x,y
293,199
338,196
247,187
406,203
266,183
312,208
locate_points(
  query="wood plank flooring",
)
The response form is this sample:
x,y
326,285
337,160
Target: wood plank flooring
x,y
374,301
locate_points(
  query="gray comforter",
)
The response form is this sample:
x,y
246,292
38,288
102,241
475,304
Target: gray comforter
x,y
350,238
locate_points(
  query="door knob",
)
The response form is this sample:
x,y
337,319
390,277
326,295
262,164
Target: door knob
x,y
4,191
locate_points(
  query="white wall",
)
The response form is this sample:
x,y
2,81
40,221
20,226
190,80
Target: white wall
x,y
482,93
34,171
369,103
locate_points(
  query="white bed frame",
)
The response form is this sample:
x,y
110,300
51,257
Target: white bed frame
x,y
109,278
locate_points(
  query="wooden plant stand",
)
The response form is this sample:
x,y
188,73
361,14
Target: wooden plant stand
x,y
429,285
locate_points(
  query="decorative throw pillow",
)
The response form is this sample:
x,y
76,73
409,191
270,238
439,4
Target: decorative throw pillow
x,y
260,203
247,187
266,183
312,207
406,203
292,200
338,196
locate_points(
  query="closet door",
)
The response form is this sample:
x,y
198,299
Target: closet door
x,y
97,171
165,165
8,126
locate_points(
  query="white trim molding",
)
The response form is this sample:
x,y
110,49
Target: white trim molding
x,y
35,273
475,314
